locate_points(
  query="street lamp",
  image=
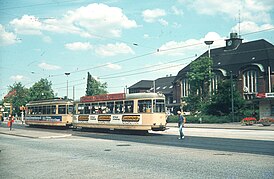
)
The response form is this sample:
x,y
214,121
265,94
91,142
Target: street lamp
x,y
67,74
209,42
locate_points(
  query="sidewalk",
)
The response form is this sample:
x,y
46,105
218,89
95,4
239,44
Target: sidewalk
x,y
235,125
30,133
171,128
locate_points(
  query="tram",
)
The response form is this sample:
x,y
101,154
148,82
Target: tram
x,y
138,111
51,112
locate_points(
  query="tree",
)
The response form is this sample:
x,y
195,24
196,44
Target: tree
x,y
17,96
199,79
95,87
221,102
41,90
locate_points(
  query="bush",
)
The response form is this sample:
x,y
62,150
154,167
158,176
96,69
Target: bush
x,y
204,119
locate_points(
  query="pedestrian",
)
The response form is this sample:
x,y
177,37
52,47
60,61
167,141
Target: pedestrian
x,y
11,120
181,122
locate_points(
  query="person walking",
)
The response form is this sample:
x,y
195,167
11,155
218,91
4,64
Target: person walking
x,y
181,122
11,120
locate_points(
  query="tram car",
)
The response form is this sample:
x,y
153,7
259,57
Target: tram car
x,y
138,111
51,112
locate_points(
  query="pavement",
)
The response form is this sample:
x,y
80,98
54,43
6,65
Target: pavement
x,y
170,127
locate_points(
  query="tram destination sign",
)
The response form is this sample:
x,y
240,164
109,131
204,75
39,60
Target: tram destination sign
x,y
103,97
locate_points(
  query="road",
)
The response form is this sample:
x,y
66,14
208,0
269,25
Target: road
x,y
154,155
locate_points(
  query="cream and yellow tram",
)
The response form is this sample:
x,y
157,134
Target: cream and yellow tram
x,y
52,112
139,111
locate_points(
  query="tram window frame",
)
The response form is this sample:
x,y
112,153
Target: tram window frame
x,y
128,105
119,107
159,105
62,109
145,106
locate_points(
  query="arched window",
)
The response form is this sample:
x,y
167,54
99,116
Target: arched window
x,y
250,81
185,88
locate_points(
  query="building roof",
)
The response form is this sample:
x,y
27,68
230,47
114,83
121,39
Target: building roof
x,y
163,85
147,84
258,52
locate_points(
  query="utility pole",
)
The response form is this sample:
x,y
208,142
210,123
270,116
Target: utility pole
x,y
232,97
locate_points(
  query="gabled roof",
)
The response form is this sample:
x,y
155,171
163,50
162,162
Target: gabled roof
x,y
142,84
163,85
259,51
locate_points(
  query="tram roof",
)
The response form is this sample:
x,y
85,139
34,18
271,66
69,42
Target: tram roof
x,y
119,96
144,95
51,101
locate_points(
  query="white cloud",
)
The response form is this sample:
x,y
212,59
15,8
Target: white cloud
x,y
163,22
113,49
176,11
27,25
146,36
191,46
153,15
113,66
251,10
85,21
17,78
78,46
7,38
46,66
249,26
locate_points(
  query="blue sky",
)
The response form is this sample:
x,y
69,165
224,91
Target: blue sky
x,y
118,41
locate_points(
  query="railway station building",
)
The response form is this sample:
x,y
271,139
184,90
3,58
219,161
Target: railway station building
x,y
250,64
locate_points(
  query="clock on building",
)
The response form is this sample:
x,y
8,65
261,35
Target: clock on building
x,y
229,43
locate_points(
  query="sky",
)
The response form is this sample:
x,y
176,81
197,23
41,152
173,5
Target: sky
x,y
119,42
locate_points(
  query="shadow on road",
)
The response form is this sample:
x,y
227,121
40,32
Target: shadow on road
x,y
205,143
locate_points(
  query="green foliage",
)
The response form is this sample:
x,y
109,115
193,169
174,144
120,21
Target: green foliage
x,y
221,102
20,98
95,87
204,119
199,76
41,90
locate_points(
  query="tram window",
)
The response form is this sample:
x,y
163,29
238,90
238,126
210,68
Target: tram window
x,y
53,109
159,105
118,107
70,109
93,109
102,107
110,107
29,110
35,110
80,108
47,109
39,111
144,106
128,106
86,108
62,109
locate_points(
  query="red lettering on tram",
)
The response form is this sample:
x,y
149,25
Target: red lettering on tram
x,y
103,97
